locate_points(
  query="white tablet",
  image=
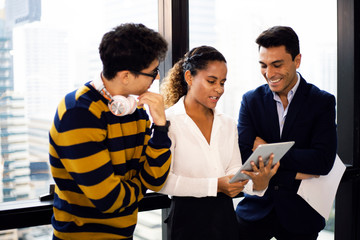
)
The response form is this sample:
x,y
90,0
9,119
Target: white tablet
x,y
264,150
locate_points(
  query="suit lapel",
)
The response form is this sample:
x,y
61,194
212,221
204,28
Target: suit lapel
x,y
294,108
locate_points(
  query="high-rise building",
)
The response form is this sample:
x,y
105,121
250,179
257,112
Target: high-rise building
x,y
6,66
16,170
6,61
14,147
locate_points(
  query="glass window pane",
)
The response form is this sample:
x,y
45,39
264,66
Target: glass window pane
x,y
232,26
48,48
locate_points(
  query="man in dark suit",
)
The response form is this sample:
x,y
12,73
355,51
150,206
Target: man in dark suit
x,y
287,108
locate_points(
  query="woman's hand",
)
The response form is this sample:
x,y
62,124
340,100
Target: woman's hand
x,y
262,175
230,189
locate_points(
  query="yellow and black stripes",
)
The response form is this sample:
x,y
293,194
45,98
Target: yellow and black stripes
x,y
102,165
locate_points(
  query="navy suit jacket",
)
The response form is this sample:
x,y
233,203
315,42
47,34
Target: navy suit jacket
x,y
310,122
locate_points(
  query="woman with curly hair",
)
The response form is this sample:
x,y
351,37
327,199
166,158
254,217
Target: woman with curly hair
x,y
205,152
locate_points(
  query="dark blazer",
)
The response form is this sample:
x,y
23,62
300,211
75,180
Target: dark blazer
x,y
310,122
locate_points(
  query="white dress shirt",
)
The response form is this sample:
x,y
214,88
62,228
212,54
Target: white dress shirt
x,y
280,107
196,165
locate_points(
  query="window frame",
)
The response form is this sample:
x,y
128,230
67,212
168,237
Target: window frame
x,y
174,13
347,203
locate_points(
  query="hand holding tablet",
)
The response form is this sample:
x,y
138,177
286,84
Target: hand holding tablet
x,y
263,150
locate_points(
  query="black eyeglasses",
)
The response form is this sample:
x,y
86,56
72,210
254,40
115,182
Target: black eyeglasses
x,y
153,75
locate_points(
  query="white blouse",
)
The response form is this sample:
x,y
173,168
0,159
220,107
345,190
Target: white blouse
x,y
196,165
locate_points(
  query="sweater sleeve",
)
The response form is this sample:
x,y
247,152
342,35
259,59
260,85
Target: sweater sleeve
x,y
156,159
82,166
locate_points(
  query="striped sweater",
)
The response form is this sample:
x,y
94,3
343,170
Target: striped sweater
x,y
102,166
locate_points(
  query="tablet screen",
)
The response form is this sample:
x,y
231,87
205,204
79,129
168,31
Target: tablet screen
x,y
263,150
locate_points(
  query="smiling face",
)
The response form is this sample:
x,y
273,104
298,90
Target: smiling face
x,y
207,86
278,68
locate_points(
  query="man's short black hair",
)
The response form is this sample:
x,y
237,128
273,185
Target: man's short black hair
x,y
280,36
130,47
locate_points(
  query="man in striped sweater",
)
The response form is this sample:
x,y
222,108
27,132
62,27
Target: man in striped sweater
x,y
103,152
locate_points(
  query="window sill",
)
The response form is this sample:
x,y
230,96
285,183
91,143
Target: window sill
x,y
29,213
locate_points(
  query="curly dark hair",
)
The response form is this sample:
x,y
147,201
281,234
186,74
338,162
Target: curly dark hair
x,y
280,36
174,86
130,47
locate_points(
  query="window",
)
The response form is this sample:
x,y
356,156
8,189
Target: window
x,y
203,31
54,50
232,26
48,48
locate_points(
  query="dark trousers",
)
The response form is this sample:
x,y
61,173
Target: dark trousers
x,y
267,228
208,218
